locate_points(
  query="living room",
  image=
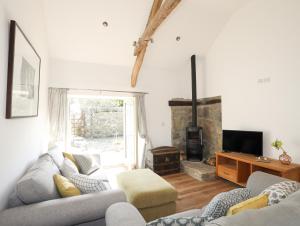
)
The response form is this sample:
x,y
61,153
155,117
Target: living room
x,y
115,80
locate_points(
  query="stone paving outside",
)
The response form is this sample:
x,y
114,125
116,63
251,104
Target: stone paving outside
x,y
111,149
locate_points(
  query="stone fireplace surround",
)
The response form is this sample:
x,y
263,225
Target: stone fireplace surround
x,y
209,117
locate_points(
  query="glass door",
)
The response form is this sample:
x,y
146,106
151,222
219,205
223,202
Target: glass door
x,y
101,124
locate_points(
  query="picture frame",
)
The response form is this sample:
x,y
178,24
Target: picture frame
x,y
23,75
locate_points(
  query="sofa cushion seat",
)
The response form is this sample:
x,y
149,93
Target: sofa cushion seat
x,y
144,188
37,184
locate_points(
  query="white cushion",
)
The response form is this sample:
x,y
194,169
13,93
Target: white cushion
x,y
86,162
68,168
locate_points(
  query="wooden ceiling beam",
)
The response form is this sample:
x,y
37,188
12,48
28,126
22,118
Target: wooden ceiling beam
x,y
153,23
155,7
137,66
159,12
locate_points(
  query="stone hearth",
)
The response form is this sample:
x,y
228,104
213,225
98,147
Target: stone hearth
x,y
199,170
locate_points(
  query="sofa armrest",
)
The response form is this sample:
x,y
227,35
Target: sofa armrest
x,y
123,214
259,181
62,212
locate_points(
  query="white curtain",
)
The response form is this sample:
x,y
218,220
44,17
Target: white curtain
x,y
58,107
142,152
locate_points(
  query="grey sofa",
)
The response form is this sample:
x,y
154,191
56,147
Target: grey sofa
x,y
35,201
285,213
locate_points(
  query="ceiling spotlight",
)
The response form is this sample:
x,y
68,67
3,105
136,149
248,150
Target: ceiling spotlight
x,y
178,38
105,24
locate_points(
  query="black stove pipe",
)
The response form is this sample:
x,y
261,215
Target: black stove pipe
x,y
194,92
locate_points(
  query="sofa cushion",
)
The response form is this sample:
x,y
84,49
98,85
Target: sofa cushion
x,y
88,185
285,213
57,155
68,168
87,163
256,202
280,191
14,200
259,181
65,187
71,157
37,184
221,203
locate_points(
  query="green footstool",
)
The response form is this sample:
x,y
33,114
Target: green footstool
x,y
149,193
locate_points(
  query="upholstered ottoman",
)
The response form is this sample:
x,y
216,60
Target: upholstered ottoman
x,y
149,193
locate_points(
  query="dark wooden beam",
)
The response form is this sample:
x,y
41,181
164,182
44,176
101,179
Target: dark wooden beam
x,y
177,103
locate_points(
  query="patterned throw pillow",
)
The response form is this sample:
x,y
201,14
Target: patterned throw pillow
x,y
88,185
68,168
182,221
86,163
221,203
280,191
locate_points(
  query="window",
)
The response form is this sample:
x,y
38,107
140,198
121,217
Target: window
x,y
104,125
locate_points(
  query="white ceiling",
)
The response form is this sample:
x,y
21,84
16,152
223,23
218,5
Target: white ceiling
x,y
75,30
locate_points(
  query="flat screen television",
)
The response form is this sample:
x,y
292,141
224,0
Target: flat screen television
x,y
248,142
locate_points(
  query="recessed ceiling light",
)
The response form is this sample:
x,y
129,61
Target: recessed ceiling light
x,y
105,24
178,38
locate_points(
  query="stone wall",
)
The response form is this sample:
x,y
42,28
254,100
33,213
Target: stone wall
x,y
209,118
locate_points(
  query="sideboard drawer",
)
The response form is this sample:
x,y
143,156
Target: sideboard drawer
x,y
228,173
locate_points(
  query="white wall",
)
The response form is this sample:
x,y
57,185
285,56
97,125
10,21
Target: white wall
x,y
161,84
22,140
254,64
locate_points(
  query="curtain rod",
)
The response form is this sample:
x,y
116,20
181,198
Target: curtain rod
x,y
103,90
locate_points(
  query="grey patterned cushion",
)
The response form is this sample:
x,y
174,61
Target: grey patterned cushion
x,y
86,162
88,185
68,168
280,191
220,204
182,221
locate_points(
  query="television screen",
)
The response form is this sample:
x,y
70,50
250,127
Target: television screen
x,y
248,142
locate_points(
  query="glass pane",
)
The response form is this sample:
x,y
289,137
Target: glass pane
x,y
97,125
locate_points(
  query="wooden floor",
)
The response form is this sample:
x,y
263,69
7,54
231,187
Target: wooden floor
x,y
196,194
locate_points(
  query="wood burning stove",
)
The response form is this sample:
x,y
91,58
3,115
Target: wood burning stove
x,y
194,133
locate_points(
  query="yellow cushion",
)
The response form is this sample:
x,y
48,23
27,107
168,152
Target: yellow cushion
x,y
144,188
256,202
71,157
65,187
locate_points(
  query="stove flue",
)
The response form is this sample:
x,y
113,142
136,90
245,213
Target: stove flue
x,y
194,133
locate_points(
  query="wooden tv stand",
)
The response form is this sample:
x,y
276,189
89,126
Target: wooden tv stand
x,y
237,167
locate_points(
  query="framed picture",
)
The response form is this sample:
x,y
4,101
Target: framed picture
x,y
24,63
